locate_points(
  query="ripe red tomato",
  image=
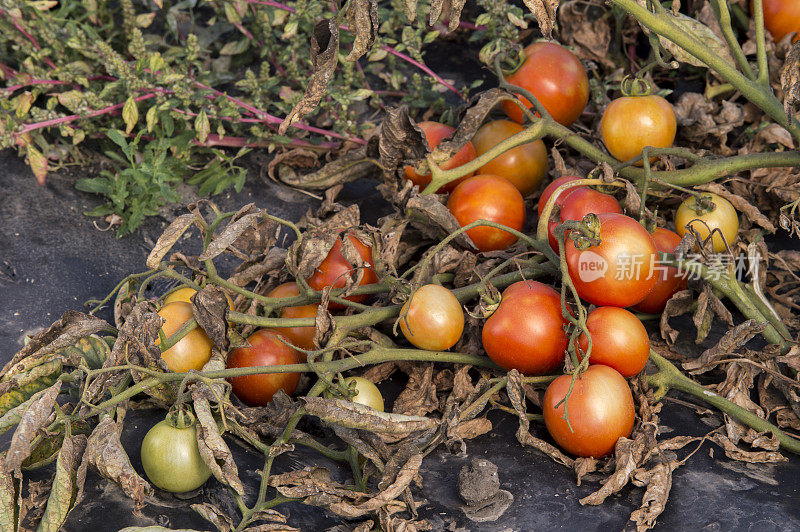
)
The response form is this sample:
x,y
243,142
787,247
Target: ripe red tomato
x,y
190,352
526,332
492,198
781,17
432,318
722,217
580,203
524,166
620,271
600,409
669,280
302,337
556,78
619,340
435,133
632,122
334,268
266,349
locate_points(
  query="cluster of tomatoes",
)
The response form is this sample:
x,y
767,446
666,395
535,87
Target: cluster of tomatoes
x,y
616,268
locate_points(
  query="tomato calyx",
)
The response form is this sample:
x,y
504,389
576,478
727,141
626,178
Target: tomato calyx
x,y
704,205
584,233
506,56
488,302
180,418
635,86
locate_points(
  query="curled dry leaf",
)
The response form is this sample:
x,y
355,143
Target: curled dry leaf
x,y
588,35
708,306
545,13
105,453
735,453
169,238
362,18
790,80
212,447
65,332
67,490
8,502
654,501
214,515
524,436
230,234
679,304
419,396
324,57
628,454
357,416
732,340
210,308
433,219
469,122
34,417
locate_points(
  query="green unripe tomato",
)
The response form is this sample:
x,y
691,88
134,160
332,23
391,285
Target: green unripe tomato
x,y
366,393
170,456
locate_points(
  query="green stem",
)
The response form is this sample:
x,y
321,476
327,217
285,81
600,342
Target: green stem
x,y
724,17
670,377
761,44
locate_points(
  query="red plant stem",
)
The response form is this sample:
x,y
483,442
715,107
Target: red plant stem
x,y
72,118
23,31
419,65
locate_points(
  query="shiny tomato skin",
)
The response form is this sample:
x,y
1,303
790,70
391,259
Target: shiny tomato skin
x,y
526,332
171,458
190,352
580,203
781,17
670,281
491,198
600,407
432,318
366,392
620,271
556,77
334,268
619,340
724,217
630,123
435,133
266,349
302,337
524,166
551,188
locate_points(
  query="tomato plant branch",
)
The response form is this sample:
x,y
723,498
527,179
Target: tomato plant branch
x,y
670,377
724,17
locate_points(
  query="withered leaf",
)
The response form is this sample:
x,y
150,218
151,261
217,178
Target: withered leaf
x,y
351,166
8,501
456,7
471,429
524,436
214,515
213,448
35,416
696,29
362,17
400,141
105,453
210,308
71,327
545,13
405,475
308,482
433,219
324,56
679,304
655,496
169,238
790,80
732,340
419,396
629,454
471,120
410,9
357,416
67,488
735,453
229,235
249,271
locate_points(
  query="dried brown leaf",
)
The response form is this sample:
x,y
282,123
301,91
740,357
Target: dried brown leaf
x,y
105,453
324,57
230,234
210,308
790,80
419,396
655,497
357,416
679,304
212,447
67,490
36,415
169,238
732,340
545,13
362,18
